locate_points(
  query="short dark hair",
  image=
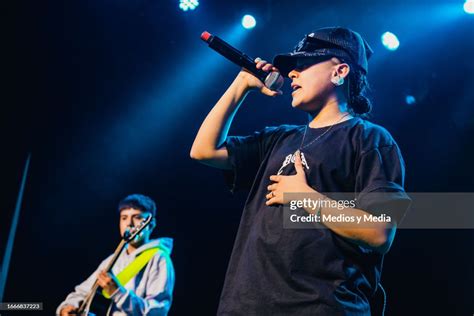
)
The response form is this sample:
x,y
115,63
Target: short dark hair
x,y
138,201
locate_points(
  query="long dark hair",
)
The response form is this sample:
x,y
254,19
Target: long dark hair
x,y
356,92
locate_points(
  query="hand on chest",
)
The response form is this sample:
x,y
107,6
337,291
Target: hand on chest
x,y
289,162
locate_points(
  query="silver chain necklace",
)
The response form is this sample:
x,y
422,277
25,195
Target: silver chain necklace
x,y
326,131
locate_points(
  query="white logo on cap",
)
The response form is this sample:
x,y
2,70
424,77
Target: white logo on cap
x,y
311,35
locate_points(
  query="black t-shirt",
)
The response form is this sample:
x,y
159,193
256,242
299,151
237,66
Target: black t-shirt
x,y
278,271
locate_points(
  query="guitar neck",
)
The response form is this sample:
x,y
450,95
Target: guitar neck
x,y
117,253
90,296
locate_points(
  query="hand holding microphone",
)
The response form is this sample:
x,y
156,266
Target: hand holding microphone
x,y
269,79
252,82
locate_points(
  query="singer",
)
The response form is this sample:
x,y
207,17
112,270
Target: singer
x,y
148,291
332,270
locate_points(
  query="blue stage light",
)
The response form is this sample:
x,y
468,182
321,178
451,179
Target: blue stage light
x,y
248,21
410,100
390,41
469,6
186,5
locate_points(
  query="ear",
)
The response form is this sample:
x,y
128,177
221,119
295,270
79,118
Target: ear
x,y
342,70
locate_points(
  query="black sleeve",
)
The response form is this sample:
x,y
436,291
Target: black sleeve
x,y
246,153
379,182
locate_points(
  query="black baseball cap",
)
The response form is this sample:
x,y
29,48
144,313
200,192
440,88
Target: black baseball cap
x,y
325,43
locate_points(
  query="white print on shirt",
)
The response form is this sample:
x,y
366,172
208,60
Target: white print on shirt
x,y
291,159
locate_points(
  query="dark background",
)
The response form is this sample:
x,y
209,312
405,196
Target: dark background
x,y
108,96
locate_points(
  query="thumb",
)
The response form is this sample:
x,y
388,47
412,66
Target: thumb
x,y
298,164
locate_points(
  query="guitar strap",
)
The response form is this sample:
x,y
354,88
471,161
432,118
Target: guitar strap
x,y
136,265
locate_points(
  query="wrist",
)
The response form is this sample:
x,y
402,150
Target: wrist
x,y
243,81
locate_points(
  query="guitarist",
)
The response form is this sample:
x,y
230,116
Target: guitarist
x,y
149,292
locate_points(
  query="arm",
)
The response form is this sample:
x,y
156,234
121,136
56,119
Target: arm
x,y
207,147
80,291
159,290
377,236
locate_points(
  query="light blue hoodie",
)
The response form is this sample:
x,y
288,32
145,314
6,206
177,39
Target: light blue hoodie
x,y
148,293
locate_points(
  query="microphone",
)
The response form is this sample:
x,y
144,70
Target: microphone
x,y
272,80
128,232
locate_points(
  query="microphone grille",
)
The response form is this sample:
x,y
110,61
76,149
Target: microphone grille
x,y
274,81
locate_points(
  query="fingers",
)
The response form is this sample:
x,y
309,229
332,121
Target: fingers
x,y
272,187
101,282
264,65
103,279
275,178
102,275
272,195
68,310
272,201
267,67
260,62
298,164
271,93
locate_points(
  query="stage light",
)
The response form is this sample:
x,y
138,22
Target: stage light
x,y
469,6
390,41
186,5
163,119
248,21
410,100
